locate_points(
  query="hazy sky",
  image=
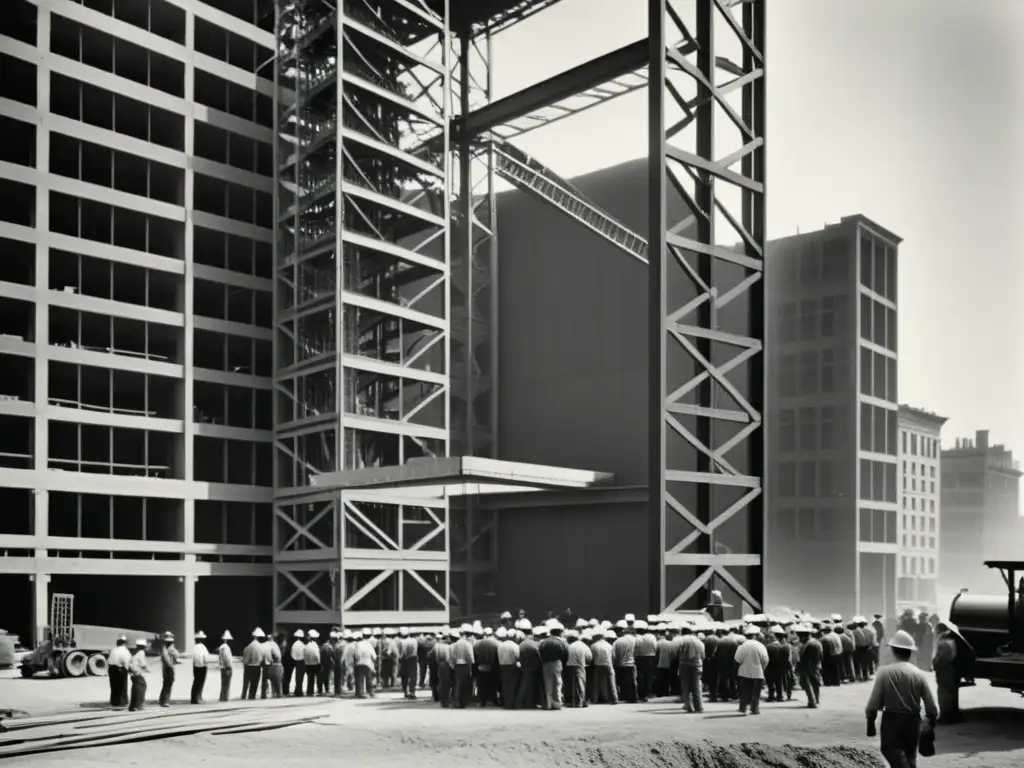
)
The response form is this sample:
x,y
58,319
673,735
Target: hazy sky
x,y
908,111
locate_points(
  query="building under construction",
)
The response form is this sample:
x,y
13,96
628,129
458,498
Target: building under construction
x,y
387,366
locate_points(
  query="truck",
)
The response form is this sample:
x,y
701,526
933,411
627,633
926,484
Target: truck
x,y
994,627
74,650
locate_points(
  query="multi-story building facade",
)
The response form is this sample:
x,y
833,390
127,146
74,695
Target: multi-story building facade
x,y
980,514
832,423
136,175
920,528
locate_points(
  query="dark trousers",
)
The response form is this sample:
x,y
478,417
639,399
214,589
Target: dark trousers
x,y
530,689
432,670
486,689
690,685
300,674
775,680
250,681
899,736
860,663
118,686
444,684
422,667
947,681
625,678
408,669
810,682
314,684
326,675
289,667
663,682
276,673
138,700
849,673
462,687
602,686
576,687
726,681
387,672
710,675
509,685
225,684
165,688
645,666
339,677
364,681
198,682
750,694
830,670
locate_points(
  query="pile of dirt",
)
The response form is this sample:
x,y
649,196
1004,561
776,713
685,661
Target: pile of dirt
x,y
678,754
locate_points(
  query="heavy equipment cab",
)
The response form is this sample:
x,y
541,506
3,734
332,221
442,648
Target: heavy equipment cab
x,y
994,626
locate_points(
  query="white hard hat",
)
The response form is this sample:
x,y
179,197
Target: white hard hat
x,y
454,631
169,636
200,635
357,635
621,624
299,634
524,624
366,631
903,640
587,634
403,631
751,631
501,634
313,634
571,634
777,630
346,634
609,635
376,631
122,638
629,617
487,631
541,630
652,618
226,635
594,623
605,624
836,617
640,624
141,643
581,623
506,615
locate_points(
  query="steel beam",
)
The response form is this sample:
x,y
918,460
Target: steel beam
x,y
547,92
706,441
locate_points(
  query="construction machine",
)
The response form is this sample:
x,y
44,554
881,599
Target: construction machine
x,y
74,650
993,625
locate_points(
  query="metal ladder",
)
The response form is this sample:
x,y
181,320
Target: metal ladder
x,y
62,614
529,175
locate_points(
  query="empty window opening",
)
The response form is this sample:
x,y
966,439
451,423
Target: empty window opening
x,y
236,50
225,96
233,149
127,283
121,392
230,522
18,379
17,319
16,441
18,518
114,335
17,202
74,515
19,142
19,263
112,450
102,223
20,20
257,12
156,16
17,80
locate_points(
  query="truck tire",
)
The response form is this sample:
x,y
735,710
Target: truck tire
x,y
97,665
75,664
27,670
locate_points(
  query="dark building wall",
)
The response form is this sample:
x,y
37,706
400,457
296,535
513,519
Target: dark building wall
x,y
592,559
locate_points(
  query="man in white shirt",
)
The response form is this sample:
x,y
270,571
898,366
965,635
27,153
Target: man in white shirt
x,y
137,668
752,657
117,669
298,657
224,661
200,658
311,657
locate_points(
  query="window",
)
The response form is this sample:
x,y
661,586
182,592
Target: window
x,y
913,445
828,428
866,377
828,371
865,479
808,480
867,256
808,319
788,321
787,430
826,479
787,479
828,317
810,265
890,329
809,373
890,274
808,429
904,437
866,317
787,375
866,441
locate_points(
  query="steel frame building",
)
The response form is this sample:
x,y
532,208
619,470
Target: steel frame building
x,y
384,327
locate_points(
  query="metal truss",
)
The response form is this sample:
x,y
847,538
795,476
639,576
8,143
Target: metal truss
x,y
389,564
707,299
362,264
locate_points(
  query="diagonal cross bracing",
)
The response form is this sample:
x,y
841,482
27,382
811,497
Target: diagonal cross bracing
x,y
706,300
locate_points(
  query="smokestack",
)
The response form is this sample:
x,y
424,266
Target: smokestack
x,y
982,438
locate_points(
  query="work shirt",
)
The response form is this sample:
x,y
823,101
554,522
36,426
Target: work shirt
x,y
553,649
901,688
602,653
408,648
752,657
461,652
224,657
580,654
862,637
348,656
169,657
486,654
508,653
710,646
831,644
778,656
879,628
390,648
252,655
691,652
363,654
137,663
624,651
810,656
847,642
120,657
646,645
298,650
945,653
275,651
529,654
200,656
442,652
666,653
327,654
311,654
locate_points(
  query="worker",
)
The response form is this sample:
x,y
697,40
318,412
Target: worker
x,y
364,661
879,629
168,658
224,662
327,663
925,638
117,670
899,690
311,656
339,644
390,651
137,668
831,662
624,657
408,660
602,688
778,665
275,660
508,666
441,657
691,664
200,658
298,657
809,666
462,661
488,671
424,642
252,663
947,675
725,664
752,658
646,660
862,635
531,687
554,653
579,657
666,659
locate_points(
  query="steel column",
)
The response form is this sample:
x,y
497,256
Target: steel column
x,y
706,303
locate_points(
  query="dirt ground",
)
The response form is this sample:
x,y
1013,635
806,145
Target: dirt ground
x,y
389,732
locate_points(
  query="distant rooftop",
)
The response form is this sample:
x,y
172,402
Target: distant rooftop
x,y
922,414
